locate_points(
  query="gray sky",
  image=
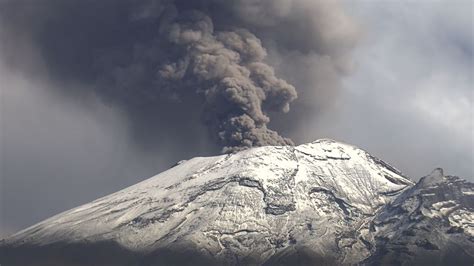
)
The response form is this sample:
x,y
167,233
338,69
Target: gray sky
x,y
410,97
407,99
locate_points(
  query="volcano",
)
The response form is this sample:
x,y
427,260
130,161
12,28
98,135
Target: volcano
x,y
321,203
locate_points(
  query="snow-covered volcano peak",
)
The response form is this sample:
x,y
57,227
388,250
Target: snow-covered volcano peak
x,y
254,206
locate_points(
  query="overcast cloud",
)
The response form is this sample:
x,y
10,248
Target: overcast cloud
x,y
407,98
410,97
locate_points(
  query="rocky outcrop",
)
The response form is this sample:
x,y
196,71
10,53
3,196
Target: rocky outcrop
x,y
431,223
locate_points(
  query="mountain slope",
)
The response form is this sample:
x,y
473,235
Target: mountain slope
x,y
432,223
323,202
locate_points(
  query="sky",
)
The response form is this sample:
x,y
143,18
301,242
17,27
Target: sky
x,y
392,77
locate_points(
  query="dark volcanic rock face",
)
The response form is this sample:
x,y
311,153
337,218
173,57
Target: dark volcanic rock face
x,y
431,223
322,203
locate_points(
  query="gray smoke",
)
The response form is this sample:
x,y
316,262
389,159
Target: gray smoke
x,y
225,69
166,61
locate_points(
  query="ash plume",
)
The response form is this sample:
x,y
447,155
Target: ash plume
x,y
171,63
224,68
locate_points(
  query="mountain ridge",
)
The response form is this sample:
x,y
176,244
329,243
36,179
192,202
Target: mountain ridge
x,y
324,202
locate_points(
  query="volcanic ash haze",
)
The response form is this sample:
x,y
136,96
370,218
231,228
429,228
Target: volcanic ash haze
x,y
163,61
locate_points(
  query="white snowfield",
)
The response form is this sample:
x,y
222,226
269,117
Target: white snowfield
x,y
255,204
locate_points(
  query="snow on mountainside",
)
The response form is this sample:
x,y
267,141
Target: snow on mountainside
x,y
431,223
322,202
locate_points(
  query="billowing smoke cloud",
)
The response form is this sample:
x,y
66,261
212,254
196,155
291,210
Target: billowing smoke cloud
x,y
224,68
167,61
